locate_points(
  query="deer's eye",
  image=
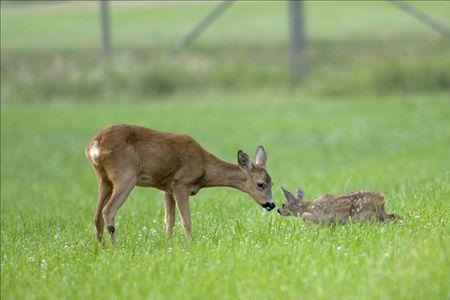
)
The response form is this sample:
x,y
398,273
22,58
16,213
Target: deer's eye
x,y
260,186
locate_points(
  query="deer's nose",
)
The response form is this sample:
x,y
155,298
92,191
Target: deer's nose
x,y
268,206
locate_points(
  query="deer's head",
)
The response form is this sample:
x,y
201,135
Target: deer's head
x,y
258,183
293,206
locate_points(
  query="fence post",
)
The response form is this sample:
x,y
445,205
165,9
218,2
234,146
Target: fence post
x,y
105,32
200,27
422,16
297,40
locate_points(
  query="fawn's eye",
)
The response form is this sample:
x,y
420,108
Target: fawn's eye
x,y
260,186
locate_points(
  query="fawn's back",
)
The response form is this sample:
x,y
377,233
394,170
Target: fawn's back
x,y
329,208
358,205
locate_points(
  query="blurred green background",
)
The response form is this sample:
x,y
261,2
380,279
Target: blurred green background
x,y
53,50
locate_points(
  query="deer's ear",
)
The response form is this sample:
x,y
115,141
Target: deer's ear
x,y
260,156
244,160
289,197
300,194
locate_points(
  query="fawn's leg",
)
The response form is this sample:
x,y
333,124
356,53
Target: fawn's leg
x,y
169,208
309,217
382,215
181,196
121,190
104,193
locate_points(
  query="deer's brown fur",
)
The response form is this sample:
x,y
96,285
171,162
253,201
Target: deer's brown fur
x,y
329,209
125,156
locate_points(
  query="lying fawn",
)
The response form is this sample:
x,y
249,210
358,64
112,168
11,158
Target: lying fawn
x,y
331,209
124,156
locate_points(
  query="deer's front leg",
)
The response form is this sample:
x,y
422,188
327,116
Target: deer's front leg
x,y
181,196
169,207
309,217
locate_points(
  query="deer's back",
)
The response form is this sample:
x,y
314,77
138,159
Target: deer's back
x,y
359,205
156,157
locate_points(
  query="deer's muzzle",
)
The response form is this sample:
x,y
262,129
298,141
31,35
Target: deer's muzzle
x,y
268,206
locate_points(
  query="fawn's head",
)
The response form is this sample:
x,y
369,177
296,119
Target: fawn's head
x,y
292,206
258,183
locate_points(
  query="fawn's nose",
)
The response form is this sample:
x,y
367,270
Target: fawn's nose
x,y
268,206
278,210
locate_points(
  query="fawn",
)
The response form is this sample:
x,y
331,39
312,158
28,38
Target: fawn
x,y
331,209
125,156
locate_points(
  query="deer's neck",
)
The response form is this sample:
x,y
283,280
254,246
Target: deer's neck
x,y
302,207
222,173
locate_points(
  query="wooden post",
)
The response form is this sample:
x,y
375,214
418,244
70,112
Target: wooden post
x,y
423,17
297,51
200,27
104,16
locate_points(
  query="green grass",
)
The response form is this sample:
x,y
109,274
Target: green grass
x,y
398,145
52,51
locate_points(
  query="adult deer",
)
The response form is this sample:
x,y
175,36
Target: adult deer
x,y
125,156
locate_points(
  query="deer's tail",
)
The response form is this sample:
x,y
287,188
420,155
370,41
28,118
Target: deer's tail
x,y
94,152
393,217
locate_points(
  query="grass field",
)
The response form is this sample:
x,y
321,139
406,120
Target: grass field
x,y
397,146
53,51
373,113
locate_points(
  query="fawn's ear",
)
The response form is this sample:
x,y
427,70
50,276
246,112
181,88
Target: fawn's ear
x,y
300,194
260,156
244,161
289,197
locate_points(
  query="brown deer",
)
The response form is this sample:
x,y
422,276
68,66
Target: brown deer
x,y
330,209
124,156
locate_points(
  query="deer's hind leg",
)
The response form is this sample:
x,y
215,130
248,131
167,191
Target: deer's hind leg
x,y
122,187
381,214
105,188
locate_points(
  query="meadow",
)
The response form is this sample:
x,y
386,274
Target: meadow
x,y
53,51
381,123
